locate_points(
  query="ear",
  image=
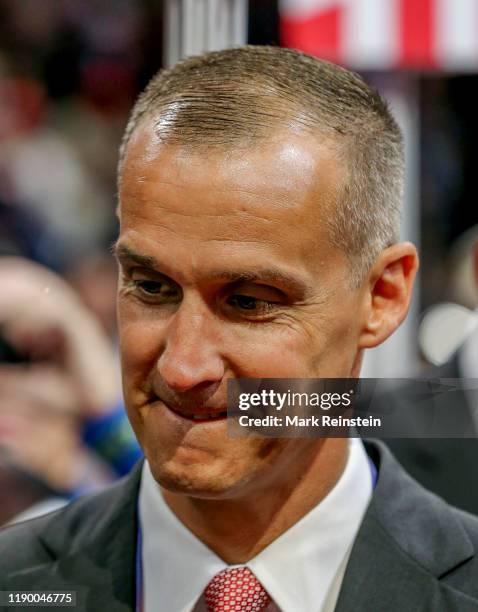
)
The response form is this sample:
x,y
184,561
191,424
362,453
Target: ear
x,y
388,289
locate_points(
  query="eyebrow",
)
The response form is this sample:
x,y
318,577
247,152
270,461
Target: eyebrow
x,y
264,275
123,253
260,275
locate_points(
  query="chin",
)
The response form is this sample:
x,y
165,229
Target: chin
x,y
195,480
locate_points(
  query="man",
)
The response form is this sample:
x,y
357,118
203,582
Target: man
x,y
259,201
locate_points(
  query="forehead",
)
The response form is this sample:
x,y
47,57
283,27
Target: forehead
x,y
275,198
286,168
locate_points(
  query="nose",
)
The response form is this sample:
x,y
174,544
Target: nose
x,y
191,355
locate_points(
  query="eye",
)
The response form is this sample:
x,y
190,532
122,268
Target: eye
x,y
249,303
156,290
149,286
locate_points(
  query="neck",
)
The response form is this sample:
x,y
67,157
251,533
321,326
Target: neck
x,y
238,528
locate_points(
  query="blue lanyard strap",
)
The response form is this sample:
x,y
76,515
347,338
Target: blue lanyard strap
x,y
374,472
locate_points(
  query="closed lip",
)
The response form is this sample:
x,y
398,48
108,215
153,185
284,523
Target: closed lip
x,y
199,414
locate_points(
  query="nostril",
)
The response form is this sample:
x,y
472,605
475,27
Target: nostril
x,y
204,394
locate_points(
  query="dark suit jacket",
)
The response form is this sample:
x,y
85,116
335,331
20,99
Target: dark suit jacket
x,y
412,553
446,466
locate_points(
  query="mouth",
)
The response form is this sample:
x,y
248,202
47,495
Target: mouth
x,y
201,416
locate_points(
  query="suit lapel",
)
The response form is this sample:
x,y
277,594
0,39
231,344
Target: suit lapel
x,y
380,577
95,586
96,556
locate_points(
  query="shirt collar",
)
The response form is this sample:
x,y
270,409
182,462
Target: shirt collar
x,y
302,569
177,566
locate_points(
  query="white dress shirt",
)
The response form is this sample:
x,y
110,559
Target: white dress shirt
x,y
302,570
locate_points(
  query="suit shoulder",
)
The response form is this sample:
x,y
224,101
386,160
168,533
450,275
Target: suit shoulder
x,y
20,545
39,540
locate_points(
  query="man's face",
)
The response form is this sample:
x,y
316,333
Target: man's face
x,y
227,271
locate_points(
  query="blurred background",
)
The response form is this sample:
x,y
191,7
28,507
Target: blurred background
x,y
70,71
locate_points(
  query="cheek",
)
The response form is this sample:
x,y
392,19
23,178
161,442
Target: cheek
x,y
322,346
269,351
140,341
335,349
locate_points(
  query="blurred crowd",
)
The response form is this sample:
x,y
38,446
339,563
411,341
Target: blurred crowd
x,y
69,73
63,429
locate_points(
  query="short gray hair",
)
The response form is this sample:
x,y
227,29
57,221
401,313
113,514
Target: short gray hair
x,y
235,97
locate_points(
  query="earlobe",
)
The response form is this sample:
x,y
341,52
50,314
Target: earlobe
x,y
389,289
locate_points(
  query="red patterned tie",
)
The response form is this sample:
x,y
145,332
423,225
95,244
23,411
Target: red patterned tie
x,y
236,590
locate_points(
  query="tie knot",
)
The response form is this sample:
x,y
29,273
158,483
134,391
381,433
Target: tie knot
x,y
236,590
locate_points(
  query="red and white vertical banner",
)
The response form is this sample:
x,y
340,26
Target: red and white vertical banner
x,y
385,34
456,23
